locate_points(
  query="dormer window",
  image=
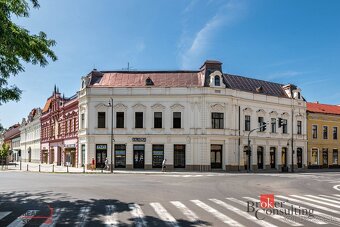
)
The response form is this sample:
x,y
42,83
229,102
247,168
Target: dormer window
x,y
217,81
149,82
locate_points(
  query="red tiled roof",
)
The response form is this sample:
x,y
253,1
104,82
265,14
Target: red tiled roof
x,y
47,105
159,79
12,132
323,108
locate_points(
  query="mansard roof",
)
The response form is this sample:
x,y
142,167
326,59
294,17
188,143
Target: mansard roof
x,y
322,108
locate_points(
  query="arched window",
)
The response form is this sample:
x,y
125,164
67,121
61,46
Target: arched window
x,y
217,81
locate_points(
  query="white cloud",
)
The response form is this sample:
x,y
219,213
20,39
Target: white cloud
x,y
191,49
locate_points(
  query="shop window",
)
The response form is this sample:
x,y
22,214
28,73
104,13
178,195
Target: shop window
x,y
120,155
179,156
335,156
157,156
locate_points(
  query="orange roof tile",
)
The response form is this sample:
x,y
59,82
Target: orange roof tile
x,y
323,108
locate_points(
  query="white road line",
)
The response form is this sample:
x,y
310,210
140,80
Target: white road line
x,y
164,214
187,212
315,212
138,215
336,195
224,218
308,204
83,216
337,187
111,215
324,199
277,217
52,221
4,214
315,201
331,197
242,213
23,219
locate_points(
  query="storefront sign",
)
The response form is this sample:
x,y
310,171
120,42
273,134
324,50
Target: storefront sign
x,y
138,139
101,147
70,145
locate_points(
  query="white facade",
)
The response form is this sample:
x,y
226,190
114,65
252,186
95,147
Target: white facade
x,y
202,141
30,137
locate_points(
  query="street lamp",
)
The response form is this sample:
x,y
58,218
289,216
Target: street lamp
x,y
111,105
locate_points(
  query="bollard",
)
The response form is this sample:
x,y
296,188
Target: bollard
x,y
27,167
67,168
39,168
52,168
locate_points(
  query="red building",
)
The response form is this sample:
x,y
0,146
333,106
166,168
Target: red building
x,y
59,130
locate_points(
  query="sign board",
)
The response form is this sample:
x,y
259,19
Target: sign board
x,y
138,139
101,147
70,145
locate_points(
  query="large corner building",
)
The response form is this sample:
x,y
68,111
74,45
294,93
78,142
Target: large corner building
x,y
197,120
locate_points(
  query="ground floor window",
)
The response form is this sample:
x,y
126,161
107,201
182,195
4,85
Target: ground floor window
x,y
101,154
299,157
70,157
284,157
272,157
179,156
157,156
82,154
120,155
335,156
315,158
216,156
325,157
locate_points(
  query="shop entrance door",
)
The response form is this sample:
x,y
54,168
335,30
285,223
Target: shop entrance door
x,y
138,156
101,154
299,157
216,156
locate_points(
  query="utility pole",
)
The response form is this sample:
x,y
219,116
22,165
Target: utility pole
x,y
292,140
111,100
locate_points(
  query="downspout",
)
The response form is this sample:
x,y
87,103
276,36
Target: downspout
x,y
239,137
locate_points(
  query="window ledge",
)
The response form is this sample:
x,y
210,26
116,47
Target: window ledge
x,y
177,128
119,128
139,128
101,128
157,128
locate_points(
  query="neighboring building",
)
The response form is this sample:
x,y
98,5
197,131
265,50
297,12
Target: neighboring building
x,y
323,138
197,120
30,137
59,130
12,138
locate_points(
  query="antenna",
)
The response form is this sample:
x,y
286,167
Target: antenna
x,y
128,67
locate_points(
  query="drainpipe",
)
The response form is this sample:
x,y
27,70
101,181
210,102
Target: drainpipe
x,y
239,137
292,143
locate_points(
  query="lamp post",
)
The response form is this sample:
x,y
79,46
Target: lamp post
x,y
264,125
112,139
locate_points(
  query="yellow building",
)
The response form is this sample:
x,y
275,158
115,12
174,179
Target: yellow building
x,y
323,140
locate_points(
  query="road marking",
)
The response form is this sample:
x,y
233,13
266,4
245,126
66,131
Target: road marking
x,y
315,212
242,213
277,217
23,219
224,218
83,216
138,215
337,187
164,214
324,199
55,217
187,212
316,201
308,204
331,197
4,214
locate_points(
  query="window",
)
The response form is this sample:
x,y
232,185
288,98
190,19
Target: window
x,y
284,126
217,120
261,123
82,154
120,155
120,120
325,132
273,124
335,133
157,120
315,157
299,127
82,120
157,156
315,131
217,81
74,125
139,120
179,156
177,120
101,119
335,156
247,123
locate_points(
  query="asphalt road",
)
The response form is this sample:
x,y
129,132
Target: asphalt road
x,y
170,199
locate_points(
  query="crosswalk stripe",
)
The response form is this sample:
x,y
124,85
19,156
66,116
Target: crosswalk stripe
x,y
336,195
330,218
224,218
308,204
111,215
331,197
186,211
23,219
242,213
82,216
276,217
164,214
138,215
316,201
4,214
52,221
324,199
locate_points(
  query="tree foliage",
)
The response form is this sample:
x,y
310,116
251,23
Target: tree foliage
x,y
4,152
17,46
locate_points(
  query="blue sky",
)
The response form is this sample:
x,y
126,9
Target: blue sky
x,y
282,41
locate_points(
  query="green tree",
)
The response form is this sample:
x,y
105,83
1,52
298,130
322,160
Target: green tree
x,y
4,151
17,46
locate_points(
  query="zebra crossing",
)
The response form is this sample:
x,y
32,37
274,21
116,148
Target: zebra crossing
x,y
226,211
323,177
